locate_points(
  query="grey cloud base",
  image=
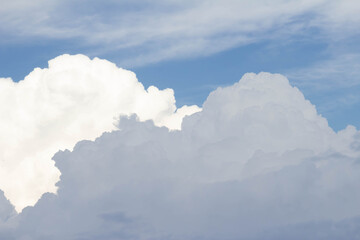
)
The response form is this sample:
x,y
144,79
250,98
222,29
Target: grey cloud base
x,y
6,209
257,163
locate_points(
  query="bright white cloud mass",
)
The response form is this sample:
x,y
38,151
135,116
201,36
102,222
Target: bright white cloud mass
x,y
74,99
257,162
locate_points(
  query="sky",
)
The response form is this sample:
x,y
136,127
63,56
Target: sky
x,y
205,43
173,119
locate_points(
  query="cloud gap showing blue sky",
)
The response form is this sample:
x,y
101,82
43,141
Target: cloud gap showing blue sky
x,y
177,147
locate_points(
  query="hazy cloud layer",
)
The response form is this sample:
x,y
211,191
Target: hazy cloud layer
x,y
257,163
330,71
156,30
74,99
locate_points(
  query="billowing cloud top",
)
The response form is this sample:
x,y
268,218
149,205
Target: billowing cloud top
x,y
257,162
74,99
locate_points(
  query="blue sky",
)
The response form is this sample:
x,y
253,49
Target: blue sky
x,y
296,46
179,119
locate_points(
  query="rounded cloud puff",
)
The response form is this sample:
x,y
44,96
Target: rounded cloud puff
x,y
263,110
75,98
257,163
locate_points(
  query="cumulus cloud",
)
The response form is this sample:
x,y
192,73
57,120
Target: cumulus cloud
x,y
6,209
75,98
257,163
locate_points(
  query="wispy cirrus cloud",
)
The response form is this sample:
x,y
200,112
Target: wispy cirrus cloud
x,y
334,82
160,30
342,70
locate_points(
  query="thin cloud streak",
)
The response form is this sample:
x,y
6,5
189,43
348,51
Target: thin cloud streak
x,y
163,30
340,71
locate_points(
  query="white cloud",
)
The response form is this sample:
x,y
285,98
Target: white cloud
x,y
258,162
158,30
74,99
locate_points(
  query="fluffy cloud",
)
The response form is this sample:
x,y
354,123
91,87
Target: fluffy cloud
x,y
74,99
6,209
257,163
